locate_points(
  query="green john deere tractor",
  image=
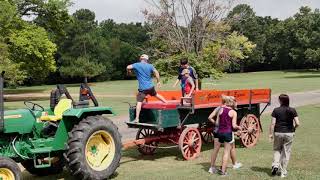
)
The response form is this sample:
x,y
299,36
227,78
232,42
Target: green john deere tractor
x,y
69,133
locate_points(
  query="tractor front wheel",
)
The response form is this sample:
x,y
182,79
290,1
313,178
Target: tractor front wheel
x,y
94,148
9,170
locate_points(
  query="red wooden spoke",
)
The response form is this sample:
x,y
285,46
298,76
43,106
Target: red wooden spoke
x,y
190,143
146,149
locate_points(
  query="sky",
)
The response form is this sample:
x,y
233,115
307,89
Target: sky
x,y
130,10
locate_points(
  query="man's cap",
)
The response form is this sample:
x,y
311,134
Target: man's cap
x,y
144,57
185,71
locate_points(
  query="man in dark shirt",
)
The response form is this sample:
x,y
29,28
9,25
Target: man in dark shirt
x,y
184,64
283,124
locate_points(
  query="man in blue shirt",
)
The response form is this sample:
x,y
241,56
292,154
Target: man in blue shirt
x,y
184,64
144,72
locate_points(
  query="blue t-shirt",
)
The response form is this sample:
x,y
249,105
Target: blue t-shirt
x,y
144,73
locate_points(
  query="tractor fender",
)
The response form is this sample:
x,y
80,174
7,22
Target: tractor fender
x,y
90,111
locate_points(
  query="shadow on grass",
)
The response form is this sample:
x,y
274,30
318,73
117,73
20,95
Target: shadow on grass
x,y
23,91
303,76
64,175
313,71
262,169
25,98
159,153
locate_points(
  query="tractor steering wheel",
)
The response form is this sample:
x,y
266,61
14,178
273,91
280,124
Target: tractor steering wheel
x,y
33,106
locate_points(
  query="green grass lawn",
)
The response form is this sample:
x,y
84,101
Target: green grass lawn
x,y
168,163
278,81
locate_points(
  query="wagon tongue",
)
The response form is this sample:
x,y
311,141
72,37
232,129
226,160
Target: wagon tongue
x,y
1,102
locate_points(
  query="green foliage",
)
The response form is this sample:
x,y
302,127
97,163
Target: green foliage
x,y
32,48
51,15
83,67
14,76
168,67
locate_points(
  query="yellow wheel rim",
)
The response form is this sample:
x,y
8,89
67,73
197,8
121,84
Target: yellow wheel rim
x,y
6,174
100,150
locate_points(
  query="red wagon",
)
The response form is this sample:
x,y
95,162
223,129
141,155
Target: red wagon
x,y
186,125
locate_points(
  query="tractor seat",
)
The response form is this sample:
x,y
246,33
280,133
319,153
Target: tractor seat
x,y
62,106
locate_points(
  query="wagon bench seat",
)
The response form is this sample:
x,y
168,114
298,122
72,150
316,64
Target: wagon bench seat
x,y
160,105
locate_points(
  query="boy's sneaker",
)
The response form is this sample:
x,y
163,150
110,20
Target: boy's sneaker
x,y
283,175
237,165
222,173
212,170
274,170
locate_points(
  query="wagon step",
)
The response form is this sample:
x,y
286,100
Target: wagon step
x,y
134,124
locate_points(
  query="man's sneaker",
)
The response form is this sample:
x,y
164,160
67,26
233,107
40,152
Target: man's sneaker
x,y
283,175
237,165
212,170
222,173
274,170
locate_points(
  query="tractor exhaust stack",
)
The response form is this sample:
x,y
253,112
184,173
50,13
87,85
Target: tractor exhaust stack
x,y
2,102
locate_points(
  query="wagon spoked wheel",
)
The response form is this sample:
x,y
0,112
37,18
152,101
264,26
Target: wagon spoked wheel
x,y
250,130
190,143
206,133
150,147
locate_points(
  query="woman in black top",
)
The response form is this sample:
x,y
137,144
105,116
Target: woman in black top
x,y
284,122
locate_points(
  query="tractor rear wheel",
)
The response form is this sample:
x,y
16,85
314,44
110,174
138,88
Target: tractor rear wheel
x,y
9,169
94,148
57,164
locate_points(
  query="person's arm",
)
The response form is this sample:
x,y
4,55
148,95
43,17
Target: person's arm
x,y
271,128
157,75
218,117
129,69
192,86
213,114
296,122
176,83
195,77
234,120
197,84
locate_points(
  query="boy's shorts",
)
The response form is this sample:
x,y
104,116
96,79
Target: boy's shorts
x,y
226,137
143,93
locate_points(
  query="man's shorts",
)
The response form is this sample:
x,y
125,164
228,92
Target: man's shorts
x,y
143,93
226,137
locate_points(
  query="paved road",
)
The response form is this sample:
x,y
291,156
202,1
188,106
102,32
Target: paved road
x,y
297,99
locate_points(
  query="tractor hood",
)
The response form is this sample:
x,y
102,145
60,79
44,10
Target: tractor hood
x,y
18,121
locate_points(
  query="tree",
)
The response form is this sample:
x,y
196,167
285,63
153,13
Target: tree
x,y
244,20
185,26
14,76
31,48
84,46
51,15
83,67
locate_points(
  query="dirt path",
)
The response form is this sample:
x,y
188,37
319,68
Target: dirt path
x,y
297,99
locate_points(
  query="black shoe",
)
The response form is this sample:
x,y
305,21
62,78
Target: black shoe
x,y
274,170
222,173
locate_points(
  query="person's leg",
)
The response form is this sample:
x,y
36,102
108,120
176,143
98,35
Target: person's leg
x,y
140,99
215,152
285,156
161,98
138,110
277,148
233,154
225,158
